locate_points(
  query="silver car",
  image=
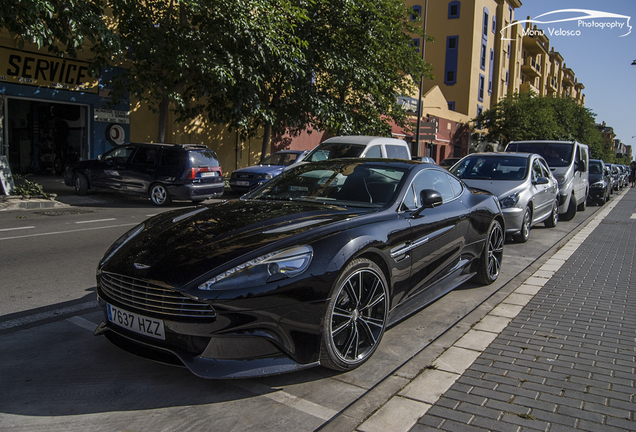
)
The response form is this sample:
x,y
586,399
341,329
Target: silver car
x,y
522,182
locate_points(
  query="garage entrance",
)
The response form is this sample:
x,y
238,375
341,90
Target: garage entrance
x,y
44,137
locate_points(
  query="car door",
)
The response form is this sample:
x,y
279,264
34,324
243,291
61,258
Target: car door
x,y
109,173
541,198
438,234
141,172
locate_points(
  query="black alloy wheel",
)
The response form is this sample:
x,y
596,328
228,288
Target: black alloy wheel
x,y
356,316
489,264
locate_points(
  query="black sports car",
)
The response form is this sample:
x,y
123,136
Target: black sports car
x,y
308,269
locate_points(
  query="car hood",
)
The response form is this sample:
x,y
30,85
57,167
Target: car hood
x,y
499,188
178,247
595,178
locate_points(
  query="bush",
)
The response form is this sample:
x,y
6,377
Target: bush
x,y
25,186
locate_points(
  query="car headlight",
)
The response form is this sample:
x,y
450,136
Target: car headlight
x,y
264,176
120,242
599,184
509,201
266,268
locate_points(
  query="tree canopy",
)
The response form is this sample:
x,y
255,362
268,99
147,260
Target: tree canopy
x,y
527,116
259,66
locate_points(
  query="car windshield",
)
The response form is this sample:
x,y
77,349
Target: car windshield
x,y
353,184
555,154
491,168
203,158
335,151
280,159
595,167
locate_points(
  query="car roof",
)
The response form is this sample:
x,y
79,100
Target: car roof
x,y
361,139
183,146
505,154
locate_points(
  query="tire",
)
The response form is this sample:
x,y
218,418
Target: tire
x,y
524,233
159,195
489,263
571,212
553,219
583,205
81,184
356,316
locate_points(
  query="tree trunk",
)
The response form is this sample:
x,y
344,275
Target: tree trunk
x,y
163,119
267,135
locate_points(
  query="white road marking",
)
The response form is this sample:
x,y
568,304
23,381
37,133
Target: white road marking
x,y
18,228
285,398
45,315
82,322
96,220
633,216
68,232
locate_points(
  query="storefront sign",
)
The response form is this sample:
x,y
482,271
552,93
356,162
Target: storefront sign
x,y
21,67
112,116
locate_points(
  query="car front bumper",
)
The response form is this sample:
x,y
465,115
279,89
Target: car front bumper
x,y
513,217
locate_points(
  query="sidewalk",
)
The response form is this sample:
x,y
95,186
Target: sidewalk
x,y
558,354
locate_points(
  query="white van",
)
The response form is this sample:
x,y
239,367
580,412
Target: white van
x,y
568,161
359,146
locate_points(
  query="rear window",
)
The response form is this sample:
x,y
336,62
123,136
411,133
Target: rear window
x,y
203,158
555,154
397,152
173,158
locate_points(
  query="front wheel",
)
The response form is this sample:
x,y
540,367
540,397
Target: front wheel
x,y
159,195
571,212
553,219
489,263
524,233
583,205
81,184
356,316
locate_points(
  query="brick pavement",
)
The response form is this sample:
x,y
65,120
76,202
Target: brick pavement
x,y
567,361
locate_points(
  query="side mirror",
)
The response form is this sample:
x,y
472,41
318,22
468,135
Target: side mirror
x,y
99,157
580,166
430,198
541,181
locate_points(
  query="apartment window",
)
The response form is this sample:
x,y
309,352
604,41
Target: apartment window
x,y
508,50
453,10
417,12
482,63
480,109
486,14
480,93
510,11
451,106
494,24
490,71
507,77
416,43
450,67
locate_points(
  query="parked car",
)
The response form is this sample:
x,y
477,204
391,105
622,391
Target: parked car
x,y
617,181
600,182
449,162
308,269
162,172
359,146
425,159
245,179
522,182
568,161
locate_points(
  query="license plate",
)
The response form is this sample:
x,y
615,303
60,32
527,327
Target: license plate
x,y
208,174
242,183
136,323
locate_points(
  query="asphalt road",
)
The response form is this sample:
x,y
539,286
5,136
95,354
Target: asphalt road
x,y
56,376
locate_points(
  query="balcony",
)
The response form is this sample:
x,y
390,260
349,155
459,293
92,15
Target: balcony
x,y
552,85
531,67
528,87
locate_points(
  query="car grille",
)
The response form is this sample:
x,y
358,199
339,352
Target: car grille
x,y
150,298
244,176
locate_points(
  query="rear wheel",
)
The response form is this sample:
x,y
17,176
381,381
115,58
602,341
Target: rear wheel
x,y
81,184
583,205
490,261
159,195
356,316
524,233
553,219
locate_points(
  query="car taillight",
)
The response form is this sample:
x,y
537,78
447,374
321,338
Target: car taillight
x,y
192,173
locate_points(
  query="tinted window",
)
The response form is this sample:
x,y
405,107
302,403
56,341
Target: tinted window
x,y
145,156
203,158
119,155
555,154
456,185
595,167
335,151
173,158
429,179
396,152
280,159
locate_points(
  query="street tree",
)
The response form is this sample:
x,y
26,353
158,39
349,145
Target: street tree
x,y
527,116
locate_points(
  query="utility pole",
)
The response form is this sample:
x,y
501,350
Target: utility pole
x,y
419,99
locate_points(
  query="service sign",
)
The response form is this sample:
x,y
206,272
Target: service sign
x,y
21,67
